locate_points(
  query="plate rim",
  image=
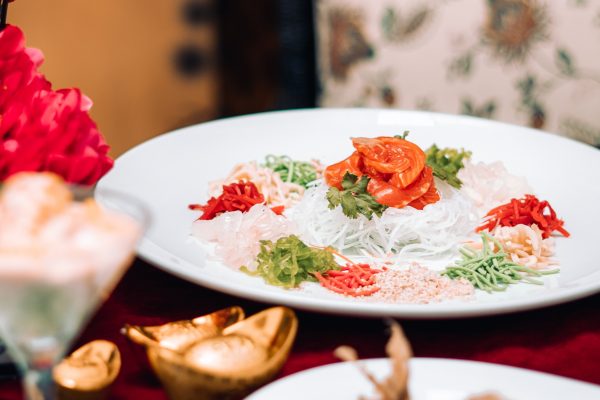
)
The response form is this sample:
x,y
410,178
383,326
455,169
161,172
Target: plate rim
x,y
363,309
428,360
432,114
164,260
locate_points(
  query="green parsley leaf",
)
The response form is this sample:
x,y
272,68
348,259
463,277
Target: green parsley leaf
x,y
289,262
354,197
446,163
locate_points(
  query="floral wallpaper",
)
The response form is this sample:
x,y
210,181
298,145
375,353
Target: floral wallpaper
x,y
529,62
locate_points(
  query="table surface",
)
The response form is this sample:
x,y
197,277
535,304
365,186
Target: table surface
x,y
563,340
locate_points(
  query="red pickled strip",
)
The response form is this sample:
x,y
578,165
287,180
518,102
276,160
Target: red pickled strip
x,y
238,196
528,210
351,280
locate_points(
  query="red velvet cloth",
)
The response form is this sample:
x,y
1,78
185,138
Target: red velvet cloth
x,y
563,340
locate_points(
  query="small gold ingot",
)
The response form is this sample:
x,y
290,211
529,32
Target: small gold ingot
x,y
89,372
238,359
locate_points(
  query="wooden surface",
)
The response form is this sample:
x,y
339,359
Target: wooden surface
x,y
120,53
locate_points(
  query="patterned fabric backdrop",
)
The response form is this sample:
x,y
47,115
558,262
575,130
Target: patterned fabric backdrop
x,y
529,62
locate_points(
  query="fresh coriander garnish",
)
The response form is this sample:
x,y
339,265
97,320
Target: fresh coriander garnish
x,y
403,136
354,197
446,163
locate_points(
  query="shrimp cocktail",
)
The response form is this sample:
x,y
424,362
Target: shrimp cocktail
x,y
59,258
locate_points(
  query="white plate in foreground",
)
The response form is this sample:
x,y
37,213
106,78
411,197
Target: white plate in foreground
x,y
173,170
430,379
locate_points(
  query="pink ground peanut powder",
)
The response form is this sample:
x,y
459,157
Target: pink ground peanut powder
x,y
419,285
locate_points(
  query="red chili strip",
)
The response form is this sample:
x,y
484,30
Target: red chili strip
x,y
528,210
238,196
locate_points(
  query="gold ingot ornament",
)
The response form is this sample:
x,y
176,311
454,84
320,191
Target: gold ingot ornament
x,y
179,335
224,362
89,372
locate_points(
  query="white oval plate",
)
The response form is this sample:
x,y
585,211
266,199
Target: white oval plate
x,y
430,379
173,170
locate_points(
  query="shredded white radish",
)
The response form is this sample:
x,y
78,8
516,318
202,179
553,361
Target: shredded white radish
x,y
269,183
489,185
237,235
524,245
399,234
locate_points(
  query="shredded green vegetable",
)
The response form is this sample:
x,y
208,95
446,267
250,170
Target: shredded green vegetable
x,y
446,163
289,262
491,270
298,172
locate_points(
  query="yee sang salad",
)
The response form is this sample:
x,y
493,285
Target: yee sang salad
x,y
389,223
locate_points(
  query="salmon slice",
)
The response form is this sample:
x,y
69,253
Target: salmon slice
x,y
430,197
390,195
414,155
334,174
396,168
391,155
380,156
375,174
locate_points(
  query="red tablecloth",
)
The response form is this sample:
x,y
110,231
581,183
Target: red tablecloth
x,y
563,340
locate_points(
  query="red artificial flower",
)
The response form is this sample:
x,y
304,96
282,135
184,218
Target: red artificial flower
x,y
57,135
42,129
18,70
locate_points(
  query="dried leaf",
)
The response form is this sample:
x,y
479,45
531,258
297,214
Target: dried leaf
x,y
399,351
346,353
395,386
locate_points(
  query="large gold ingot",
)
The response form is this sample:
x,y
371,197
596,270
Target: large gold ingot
x,y
179,335
89,372
226,361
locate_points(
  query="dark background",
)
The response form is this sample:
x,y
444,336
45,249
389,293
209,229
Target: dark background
x,y
267,51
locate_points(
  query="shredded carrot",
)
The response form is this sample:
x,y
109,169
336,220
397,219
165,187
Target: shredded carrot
x,y
351,280
528,210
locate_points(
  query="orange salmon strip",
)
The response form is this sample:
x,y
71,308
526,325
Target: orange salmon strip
x,y
392,196
399,176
